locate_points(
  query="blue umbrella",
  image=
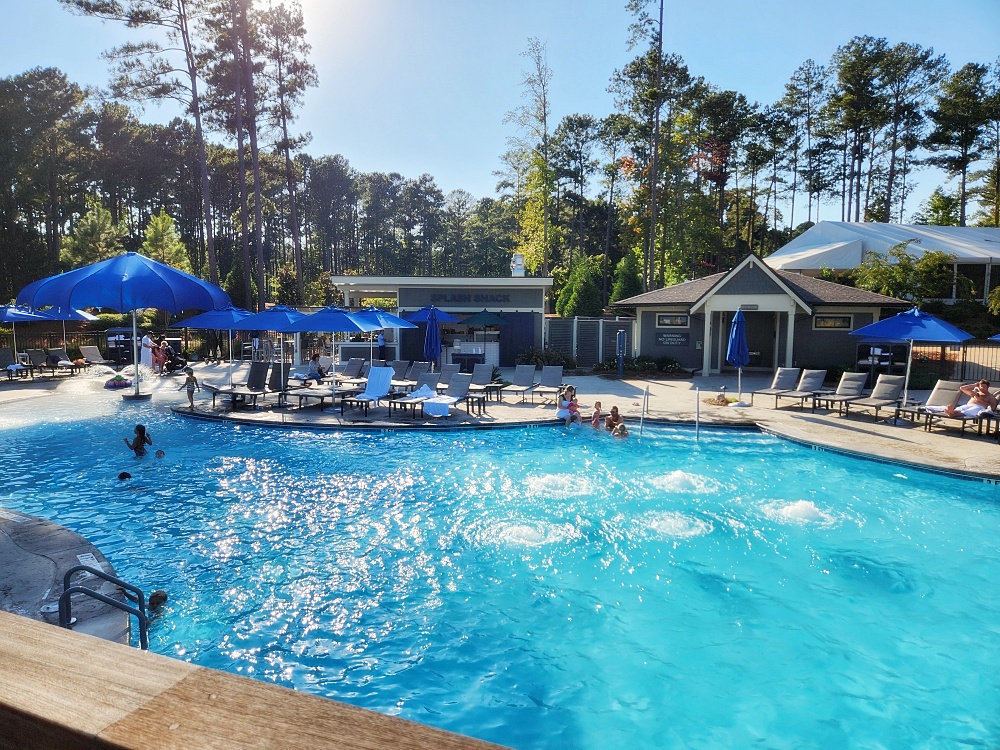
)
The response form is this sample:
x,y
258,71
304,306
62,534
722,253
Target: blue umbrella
x,y
738,353
383,319
219,320
332,318
58,313
13,314
424,313
432,338
914,325
277,318
125,283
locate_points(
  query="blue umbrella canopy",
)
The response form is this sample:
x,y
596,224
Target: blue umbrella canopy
x,y
915,325
382,318
432,337
422,315
738,353
125,283
17,314
276,318
220,320
332,318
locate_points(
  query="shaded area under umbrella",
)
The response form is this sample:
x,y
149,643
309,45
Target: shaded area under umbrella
x,y
910,326
738,352
432,316
125,284
383,320
336,319
14,314
57,313
218,320
278,318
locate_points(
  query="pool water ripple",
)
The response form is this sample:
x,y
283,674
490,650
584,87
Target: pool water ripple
x,y
544,588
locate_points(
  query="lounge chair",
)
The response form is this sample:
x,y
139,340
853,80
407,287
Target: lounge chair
x,y
446,373
40,361
458,389
851,386
351,372
944,393
549,384
64,360
417,369
377,388
784,381
482,382
934,416
249,391
426,387
10,365
885,394
809,385
94,357
399,368
524,381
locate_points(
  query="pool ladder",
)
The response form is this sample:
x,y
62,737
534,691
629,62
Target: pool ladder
x,y
65,604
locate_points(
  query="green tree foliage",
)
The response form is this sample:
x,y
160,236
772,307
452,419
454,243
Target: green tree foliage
x,y
286,286
96,237
899,274
628,282
163,242
581,296
940,209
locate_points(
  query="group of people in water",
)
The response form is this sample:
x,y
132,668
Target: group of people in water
x,y
569,410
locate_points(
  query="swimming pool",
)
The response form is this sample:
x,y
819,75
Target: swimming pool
x,y
543,588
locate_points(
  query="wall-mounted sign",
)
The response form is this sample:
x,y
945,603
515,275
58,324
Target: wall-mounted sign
x,y
748,307
673,339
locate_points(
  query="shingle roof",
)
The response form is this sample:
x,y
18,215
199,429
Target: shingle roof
x,y
812,291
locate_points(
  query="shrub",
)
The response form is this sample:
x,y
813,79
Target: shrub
x,y
667,365
542,357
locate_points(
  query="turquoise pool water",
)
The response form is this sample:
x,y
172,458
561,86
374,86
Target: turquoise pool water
x,y
543,588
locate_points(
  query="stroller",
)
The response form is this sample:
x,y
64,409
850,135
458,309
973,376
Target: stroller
x,y
174,361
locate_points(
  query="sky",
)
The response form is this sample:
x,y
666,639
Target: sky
x,y
423,86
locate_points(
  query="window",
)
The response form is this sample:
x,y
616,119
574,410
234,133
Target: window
x,y
671,320
833,323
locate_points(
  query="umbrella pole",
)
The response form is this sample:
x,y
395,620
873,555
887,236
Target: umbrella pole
x,y
739,382
906,380
230,358
64,336
135,352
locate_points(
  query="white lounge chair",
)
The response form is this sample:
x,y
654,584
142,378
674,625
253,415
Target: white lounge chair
x,y
458,389
376,389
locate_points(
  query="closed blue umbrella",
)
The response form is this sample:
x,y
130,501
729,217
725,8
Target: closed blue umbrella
x,y
125,283
738,353
432,338
914,325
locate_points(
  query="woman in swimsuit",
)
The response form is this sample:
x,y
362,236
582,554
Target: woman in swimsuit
x,y
139,443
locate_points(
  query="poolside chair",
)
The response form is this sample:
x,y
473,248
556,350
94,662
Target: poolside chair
x,y
934,416
851,386
10,365
784,381
94,357
417,369
399,368
482,381
377,388
64,360
446,373
524,381
40,361
248,392
944,393
809,385
426,387
885,394
549,384
351,372
458,389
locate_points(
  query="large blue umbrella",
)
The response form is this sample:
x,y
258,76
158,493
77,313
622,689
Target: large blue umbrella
x,y
914,325
13,314
383,319
424,313
278,318
218,320
334,319
58,313
125,283
738,353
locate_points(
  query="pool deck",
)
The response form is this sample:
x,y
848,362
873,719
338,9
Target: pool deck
x,y
35,553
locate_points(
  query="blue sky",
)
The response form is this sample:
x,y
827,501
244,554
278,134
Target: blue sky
x,y
418,86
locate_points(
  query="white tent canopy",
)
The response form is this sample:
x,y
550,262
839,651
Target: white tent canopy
x,y
840,245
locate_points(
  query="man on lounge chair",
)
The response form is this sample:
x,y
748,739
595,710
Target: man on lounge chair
x,y
980,400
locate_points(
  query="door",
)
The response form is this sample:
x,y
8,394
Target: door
x,y
761,337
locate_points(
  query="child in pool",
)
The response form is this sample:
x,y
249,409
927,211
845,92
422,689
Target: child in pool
x,y
190,382
620,430
140,441
595,418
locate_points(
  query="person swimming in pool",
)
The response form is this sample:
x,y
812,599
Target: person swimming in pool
x,y
139,443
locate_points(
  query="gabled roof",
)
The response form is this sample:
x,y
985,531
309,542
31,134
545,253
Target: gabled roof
x,y
832,243
751,264
810,290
